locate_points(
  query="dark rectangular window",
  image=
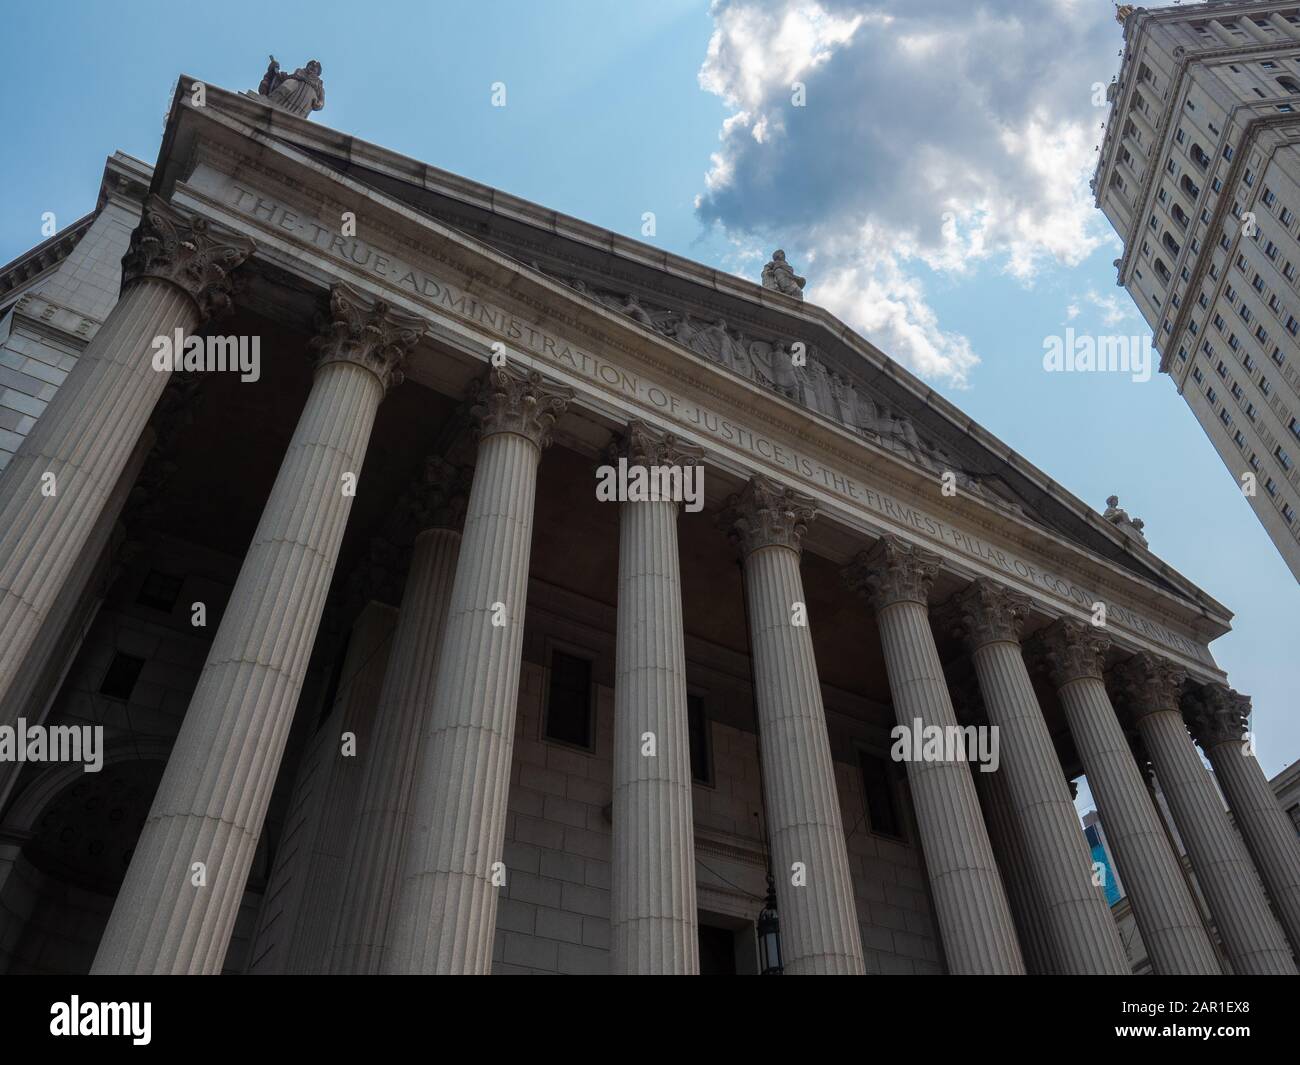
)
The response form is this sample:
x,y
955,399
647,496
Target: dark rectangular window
x,y
878,788
160,591
123,672
698,727
568,706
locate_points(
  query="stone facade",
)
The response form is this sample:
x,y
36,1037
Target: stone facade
x,y
386,686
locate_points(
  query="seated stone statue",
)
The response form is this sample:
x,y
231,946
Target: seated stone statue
x,y
1118,516
779,276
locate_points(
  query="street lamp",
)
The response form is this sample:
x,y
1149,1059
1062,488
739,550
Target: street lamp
x,y
769,934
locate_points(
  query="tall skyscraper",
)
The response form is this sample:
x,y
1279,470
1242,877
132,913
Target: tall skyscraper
x,y
1200,175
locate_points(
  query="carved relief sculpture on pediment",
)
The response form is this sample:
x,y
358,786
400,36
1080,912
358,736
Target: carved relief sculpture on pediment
x,y
813,384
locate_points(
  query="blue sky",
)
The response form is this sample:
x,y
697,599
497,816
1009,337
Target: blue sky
x,y
933,190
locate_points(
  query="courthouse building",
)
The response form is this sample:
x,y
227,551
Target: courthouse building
x,y
386,687
1200,176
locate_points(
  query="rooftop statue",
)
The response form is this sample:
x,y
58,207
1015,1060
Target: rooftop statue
x,y
299,93
779,276
1118,516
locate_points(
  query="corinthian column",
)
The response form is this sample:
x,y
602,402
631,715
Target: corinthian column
x,y
1081,932
177,906
1218,718
174,275
380,824
447,900
1165,911
819,924
970,902
1150,689
653,920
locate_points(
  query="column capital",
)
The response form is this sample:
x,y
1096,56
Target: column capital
x,y
1145,684
368,333
520,402
436,498
1069,651
765,513
187,251
892,571
985,612
1216,714
645,445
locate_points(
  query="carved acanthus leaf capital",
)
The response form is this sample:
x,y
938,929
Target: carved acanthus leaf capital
x,y
1069,651
644,445
985,612
893,571
186,251
436,499
512,401
368,333
765,513
1216,714
1145,684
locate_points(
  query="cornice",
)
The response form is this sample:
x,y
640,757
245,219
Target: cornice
x,y
299,136
581,318
44,257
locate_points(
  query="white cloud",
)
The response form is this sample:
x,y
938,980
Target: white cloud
x,y
1114,308
940,135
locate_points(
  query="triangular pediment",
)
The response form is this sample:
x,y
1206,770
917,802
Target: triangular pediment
x,y
747,329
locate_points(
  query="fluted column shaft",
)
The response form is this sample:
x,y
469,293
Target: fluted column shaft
x,y
819,925
1250,933
1009,851
329,832
1082,933
447,900
84,439
653,921
970,902
1219,725
653,917
380,824
174,275
1164,909
212,800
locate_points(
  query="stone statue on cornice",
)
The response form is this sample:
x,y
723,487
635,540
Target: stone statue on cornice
x,y
1118,516
299,93
779,276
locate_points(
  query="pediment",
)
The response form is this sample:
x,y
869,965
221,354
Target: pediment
x,y
732,323
835,380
